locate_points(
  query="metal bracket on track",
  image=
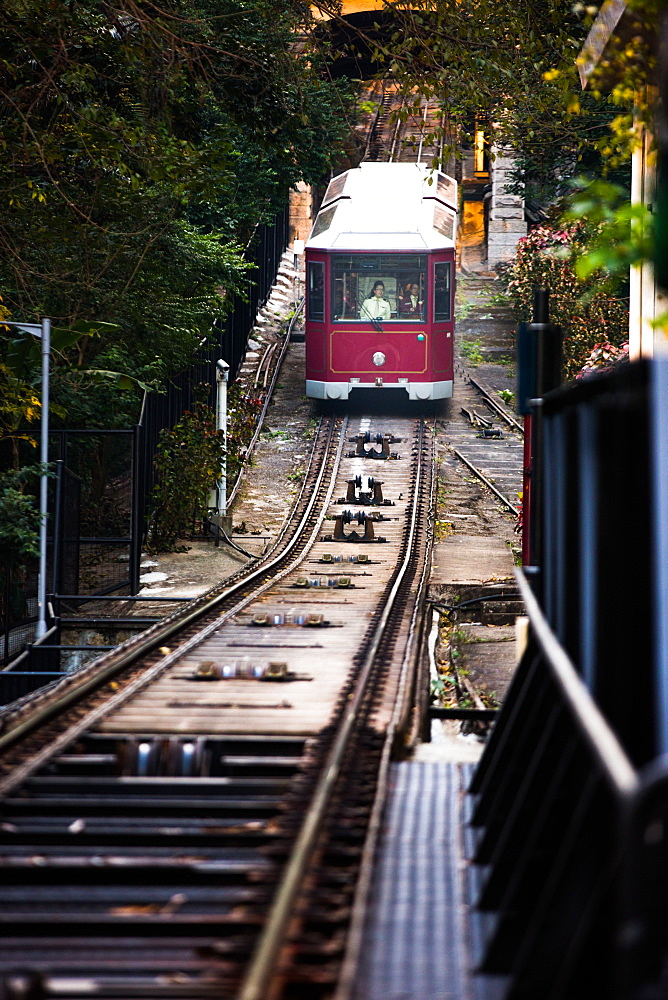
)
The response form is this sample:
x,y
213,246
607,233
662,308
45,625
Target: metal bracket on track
x,y
384,440
372,495
362,518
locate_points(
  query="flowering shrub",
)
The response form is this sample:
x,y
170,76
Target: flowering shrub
x,y
603,357
586,312
187,461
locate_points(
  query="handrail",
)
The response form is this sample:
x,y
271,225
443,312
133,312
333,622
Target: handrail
x,y
612,758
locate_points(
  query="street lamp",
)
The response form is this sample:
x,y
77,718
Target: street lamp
x,y
222,374
43,331
297,251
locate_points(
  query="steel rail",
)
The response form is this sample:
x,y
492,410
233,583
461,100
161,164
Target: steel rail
x,y
269,359
476,472
375,825
19,774
496,406
397,128
258,372
160,634
263,963
380,110
422,131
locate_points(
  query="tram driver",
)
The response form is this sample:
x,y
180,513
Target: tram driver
x,y
376,305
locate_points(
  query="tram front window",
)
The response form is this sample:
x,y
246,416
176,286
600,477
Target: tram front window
x,y
385,287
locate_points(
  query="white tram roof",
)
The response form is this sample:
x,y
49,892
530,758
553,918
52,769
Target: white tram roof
x,y
387,206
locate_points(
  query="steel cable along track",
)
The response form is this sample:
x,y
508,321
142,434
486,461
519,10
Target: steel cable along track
x,y
145,867
107,670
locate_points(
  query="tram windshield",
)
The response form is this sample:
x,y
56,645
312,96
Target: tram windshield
x,y
388,287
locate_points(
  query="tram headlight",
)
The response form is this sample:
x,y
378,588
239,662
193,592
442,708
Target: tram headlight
x,y
378,359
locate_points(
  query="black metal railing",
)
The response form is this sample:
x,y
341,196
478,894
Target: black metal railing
x,y
568,834
95,541
104,477
600,538
550,804
37,665
228,342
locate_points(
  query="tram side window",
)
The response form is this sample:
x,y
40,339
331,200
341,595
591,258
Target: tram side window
x,y
316,290
442,296
379,287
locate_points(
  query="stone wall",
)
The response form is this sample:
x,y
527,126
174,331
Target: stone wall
x,y
301,212
506,212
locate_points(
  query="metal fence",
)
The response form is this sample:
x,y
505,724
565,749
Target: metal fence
x,y
95,541
18,609
569,814
600,540
549,837
228,341
100,494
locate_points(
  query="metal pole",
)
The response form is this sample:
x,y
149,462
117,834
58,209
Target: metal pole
x,y
44,480
222,374
58,530
137,526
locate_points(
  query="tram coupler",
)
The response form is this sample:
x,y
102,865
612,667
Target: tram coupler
x,y
347,517
384,440
373,495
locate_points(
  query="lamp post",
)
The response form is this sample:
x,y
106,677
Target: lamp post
x,y
43,331
222,374
297,251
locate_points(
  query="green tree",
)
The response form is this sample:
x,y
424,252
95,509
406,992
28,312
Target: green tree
x,y
142,145
19,520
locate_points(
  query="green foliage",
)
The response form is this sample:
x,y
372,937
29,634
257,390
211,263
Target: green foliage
x,y
472,352
242,416
19,518
621,233
491,59
142,145
626,68
188,465
19,405
586,311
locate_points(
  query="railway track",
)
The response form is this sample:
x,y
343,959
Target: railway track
x,y
187,816
487,440
400,132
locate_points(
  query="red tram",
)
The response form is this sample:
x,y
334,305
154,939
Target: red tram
x,y
380,283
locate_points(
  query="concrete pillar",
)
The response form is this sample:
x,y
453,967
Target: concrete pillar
x,y
646,302
506,213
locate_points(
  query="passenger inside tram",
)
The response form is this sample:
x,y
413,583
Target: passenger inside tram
x,y
410,303
385,287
